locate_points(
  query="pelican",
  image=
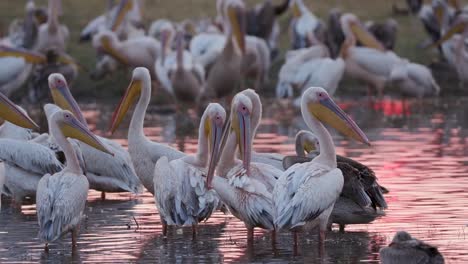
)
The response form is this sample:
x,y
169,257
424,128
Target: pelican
x,y
226,71
139,51
244,187
178,72
414,79
15,67
371,64
61,197
303,25
261,21
105,173
180,190
453,47
144,153
385,32
406,249
124,19
361,201
273,159
11,113
52,35
323,71
306,193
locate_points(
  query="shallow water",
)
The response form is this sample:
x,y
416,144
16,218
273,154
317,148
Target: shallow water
x,y
419,152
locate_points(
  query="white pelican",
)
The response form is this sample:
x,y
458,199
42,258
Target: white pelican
x,y
180,190
121,19
178,71
144,153
273,159
244,187
15,67
136,52
371,64
61,197
11,113
406,249
414,79
225,73
105,173
361,201
304,24
52,35
159,28
306,193
453,47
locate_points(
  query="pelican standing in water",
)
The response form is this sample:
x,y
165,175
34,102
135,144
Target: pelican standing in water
x,y
180,190
225,73
105,173
406,249
178,72
12,113
61,198
144,153
306,193
361,201
244,187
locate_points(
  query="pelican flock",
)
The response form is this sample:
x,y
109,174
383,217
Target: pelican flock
x,y
209,64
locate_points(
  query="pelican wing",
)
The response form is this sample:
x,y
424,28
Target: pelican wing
x,y
303,192
30,156
183,199
117,169
247,198
272,159
10,68
60,202
374,61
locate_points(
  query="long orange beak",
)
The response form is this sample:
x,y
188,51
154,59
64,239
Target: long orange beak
x,y
13,114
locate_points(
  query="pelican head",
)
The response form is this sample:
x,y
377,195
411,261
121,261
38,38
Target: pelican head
x,y
295,6
215,117
140,76
71,127
353,28
28,55
306,142
235,13
104,42
124,7
318,104
241,112
62,97
167,36
458,26
14,114
401,236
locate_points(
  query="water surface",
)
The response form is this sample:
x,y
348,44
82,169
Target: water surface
x,y
419,152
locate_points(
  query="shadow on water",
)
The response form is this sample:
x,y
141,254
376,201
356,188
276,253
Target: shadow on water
x,y
419,152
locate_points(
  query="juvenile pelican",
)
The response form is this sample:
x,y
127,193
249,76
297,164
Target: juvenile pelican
x,y
136,52
244,187
226,71
105,173
361,201
144,153
180,190
178,72
52,35
61,197
306,193
406,249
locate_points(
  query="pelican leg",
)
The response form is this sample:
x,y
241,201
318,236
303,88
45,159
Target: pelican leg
x,y
342,228
273,238
103,195
194,231
294,233
321,243
250,234
164,227
46,247
74,233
